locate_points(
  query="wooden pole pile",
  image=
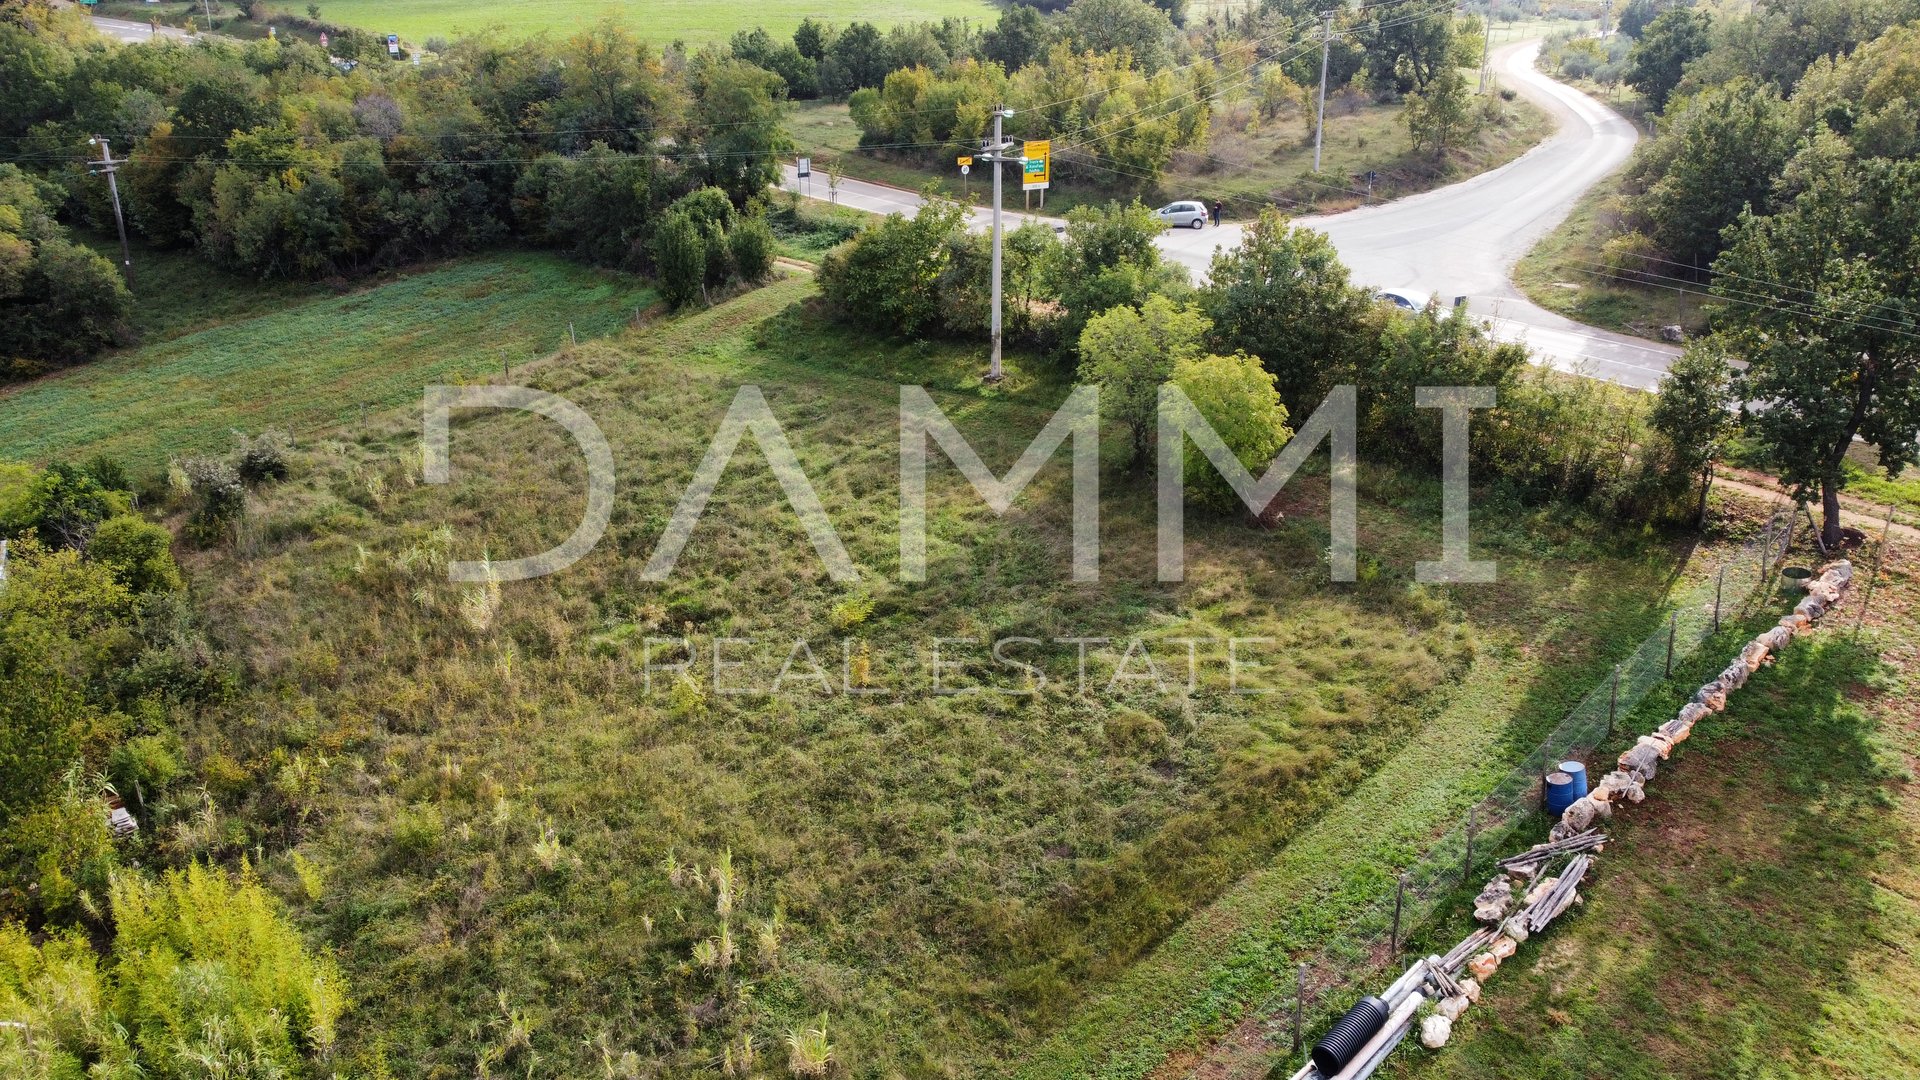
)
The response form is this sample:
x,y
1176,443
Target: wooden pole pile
x,y
1573,838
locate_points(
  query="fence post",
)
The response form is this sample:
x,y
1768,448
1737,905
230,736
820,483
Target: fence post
x,y
1299,996
1766,550
1719,586
1466,863
572,338
1879,556
1613,701
1399,901
1673,630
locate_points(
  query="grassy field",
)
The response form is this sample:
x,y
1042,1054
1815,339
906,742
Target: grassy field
x,y
1247,166
495,799
694,21
1758,915
300,357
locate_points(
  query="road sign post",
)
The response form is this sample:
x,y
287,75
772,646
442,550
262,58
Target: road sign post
x,y
1036,172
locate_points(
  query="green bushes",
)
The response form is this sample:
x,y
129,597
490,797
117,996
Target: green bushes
x,y
59,302
703,243
1237,398
137,552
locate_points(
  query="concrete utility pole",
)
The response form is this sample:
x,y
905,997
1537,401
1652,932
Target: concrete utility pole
x,y
1486,51
108,165
1320,118
995,153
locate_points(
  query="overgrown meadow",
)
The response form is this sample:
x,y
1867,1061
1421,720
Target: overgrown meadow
x,y
532,852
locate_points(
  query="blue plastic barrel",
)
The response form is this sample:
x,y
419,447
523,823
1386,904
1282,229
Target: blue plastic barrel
x,y
1565,787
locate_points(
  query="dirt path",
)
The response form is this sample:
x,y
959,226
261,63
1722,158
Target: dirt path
x,y
1860,515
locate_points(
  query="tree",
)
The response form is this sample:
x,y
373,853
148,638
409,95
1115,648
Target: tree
x,y
1406,52
1442,115
1236,396
856,59
1135,26
1128,353
888,277
1833,350
737,127
1108,258
138,552
810,38
59,301
599,206
1718,157
680,258
1637,14
1659,60
1019,38
1283,295
1691,412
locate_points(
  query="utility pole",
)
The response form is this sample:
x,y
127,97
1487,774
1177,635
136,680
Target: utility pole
x,y
1320,118
1486,51
108,166
995,154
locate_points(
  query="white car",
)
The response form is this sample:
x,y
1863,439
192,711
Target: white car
x,y
1184,215
1405,299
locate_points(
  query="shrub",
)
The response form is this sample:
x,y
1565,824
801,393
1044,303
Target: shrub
x,y
205,967
750,244
219,499
1238,398
263,457
139,553
680,258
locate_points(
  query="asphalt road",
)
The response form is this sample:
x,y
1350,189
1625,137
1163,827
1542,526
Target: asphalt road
x,y
1460,240
123,30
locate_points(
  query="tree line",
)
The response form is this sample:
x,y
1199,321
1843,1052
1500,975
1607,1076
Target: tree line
x,y
1277,325
266,158
1784,178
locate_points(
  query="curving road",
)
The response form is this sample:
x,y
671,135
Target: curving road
x,y
129,31
1460,240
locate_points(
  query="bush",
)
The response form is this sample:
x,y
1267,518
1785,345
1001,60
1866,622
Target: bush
x,y
205,967
139,553
263,457
1238,398
680,260
750,243
219,499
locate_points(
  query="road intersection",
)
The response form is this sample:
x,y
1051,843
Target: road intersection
x,y
1460,240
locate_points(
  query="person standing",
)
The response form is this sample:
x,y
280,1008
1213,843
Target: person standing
x,y
1216,213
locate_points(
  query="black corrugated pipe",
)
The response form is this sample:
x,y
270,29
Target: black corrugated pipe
x,y
1351,1032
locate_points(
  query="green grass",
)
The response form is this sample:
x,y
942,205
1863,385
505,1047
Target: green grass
x,y
288,358
1757,916
176,290
693,21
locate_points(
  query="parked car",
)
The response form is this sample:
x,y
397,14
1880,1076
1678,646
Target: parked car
x,y
1189,214
1405,299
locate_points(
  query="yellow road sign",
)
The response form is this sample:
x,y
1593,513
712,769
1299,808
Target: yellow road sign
x,y
965,161
1038,171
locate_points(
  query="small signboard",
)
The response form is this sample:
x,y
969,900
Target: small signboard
x,y
805,167
393,44
1037,173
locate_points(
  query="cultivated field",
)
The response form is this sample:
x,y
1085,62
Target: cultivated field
x,y
695,22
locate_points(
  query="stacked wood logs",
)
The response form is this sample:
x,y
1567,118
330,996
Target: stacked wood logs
x,y
1437,979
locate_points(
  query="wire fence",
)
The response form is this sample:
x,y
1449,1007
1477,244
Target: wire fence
x,y
1512,815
